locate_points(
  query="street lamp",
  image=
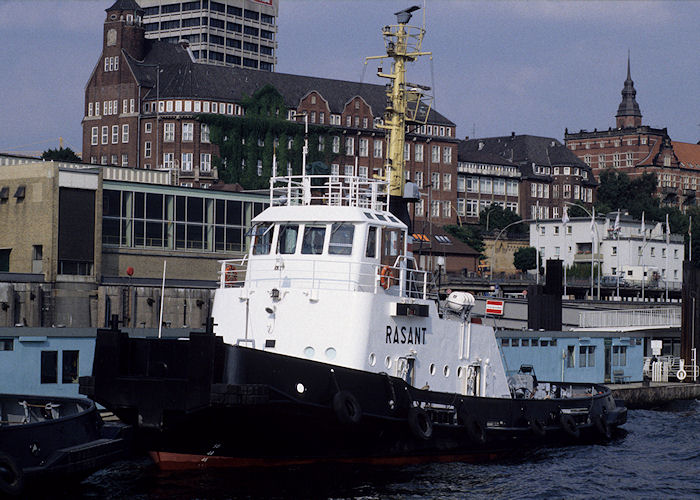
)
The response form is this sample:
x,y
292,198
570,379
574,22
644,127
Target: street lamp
x,y
597,234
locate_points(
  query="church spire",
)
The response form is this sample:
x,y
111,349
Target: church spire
x,y
628,114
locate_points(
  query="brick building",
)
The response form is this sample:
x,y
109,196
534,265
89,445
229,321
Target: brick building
x,y
549,176
153,92
634,148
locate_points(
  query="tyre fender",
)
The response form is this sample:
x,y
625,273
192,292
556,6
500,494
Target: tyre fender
x,y
603,426
346,407
568,425
476,430
537,426
11,476
420,424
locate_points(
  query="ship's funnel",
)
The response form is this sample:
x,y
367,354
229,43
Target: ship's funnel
x,y
403,16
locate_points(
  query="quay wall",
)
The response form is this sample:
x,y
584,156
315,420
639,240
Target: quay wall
x,y
640,396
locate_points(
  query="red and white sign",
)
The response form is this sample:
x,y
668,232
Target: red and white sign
x,y
494,307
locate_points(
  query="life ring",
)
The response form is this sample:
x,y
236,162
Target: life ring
x,y
537,426
11,476
420,424
230,275
603,426
568,425
387,275
476,430
681,374
346,408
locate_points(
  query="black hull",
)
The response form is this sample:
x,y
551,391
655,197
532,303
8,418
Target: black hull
x,y
46,447
203,403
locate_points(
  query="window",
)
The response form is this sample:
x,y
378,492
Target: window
x,y
349,146
419,179
377,148
364,147
619,355
586,357
94,136
69,374
287,239
446,154
204,132
187,131
435,208
205,162
447,182
446,209
472,208
472,184
262,234
420,210
115,159
168,160
115,134
371,247
341,239
105,135
5,259
485,185
147,149
336,144
435,154
499,186
312,242
49,367
125,160
125,134
147,127
570,360
169,131
418,152
186,164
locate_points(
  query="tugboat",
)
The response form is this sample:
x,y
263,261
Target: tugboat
x,y
47,440
328,344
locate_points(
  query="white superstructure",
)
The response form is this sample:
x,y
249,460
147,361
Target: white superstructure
x,y
329,278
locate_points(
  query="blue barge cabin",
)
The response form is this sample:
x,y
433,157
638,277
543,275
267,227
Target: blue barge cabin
x,y
48,361
596,357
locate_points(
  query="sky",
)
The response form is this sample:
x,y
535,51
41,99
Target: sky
x,y
529,67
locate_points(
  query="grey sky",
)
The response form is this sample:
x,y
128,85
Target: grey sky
x,y
528,67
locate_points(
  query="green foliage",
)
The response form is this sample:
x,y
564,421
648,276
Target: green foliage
x,y
247,141
61,154
576,211
616,190
469,234
499,217
525,259
581,270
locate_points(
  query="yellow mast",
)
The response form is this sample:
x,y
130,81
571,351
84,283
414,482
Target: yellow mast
x,y
405,101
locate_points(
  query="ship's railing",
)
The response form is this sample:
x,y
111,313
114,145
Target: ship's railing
x,y
631,318
334,190
401,279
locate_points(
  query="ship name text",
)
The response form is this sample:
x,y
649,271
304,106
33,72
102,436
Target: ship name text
x,y
405,335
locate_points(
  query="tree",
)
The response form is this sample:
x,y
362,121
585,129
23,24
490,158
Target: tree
x,y
61,154
525,259
469,234
499,217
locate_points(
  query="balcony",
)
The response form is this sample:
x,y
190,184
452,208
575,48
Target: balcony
x,y
585,257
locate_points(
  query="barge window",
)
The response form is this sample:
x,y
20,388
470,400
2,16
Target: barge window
x,y
371,250
263,239
586,356
49,367
341,239
313,240
69,375
7,344
570,361
287,239
619,355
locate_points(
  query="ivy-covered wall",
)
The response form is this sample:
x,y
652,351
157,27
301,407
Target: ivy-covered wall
x,y
263,130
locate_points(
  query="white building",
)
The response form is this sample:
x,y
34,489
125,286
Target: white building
x,y
226,32
631,256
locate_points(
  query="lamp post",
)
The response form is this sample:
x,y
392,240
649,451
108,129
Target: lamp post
x,y
593,252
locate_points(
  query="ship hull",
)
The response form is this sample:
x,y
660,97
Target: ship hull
x,y
202,403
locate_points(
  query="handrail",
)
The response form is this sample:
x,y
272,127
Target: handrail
x,y
660,316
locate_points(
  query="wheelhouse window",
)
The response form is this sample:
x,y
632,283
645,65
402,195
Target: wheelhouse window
x,y
371,250
341,239
49,367
69,375
263,239
313,240
586,356
287,239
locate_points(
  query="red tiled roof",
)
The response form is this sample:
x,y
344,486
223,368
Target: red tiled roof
x,y
688,154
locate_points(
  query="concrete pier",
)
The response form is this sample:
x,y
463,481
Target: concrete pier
x,y
638,395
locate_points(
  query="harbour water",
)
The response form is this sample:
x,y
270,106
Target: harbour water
x,y
657,456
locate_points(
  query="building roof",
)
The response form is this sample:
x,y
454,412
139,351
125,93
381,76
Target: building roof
x,y
180,77
441,243
687,153
628,106
466,153
527,151
124,5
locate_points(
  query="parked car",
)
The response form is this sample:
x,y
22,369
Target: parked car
x,y
612,281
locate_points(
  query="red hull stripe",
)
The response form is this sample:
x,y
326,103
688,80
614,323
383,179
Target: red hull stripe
x,y
182,461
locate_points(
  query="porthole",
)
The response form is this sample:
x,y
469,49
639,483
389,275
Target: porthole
x,y
431,369
446,371
330,353
460,372
387,361
372,359
301,388
113,16
309,352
